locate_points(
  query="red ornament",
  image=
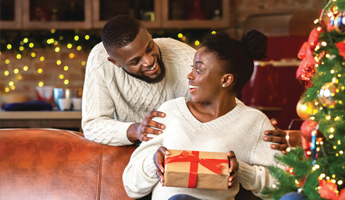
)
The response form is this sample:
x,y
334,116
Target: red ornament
x,y
301,182
328,189
290,170
341,47
306,147
307,127
342,195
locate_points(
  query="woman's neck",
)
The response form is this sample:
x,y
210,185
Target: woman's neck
x,y
205,112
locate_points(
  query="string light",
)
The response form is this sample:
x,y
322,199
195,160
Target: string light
x,y
334,147
65,68
340,182
78,48
324,44
331,136
57,49
25,68
7,89
87,37
71,55
56,43
11,83
196,42
9,46
31,45
66,82
40,84
40,70
76,38
16,71
42,58
52,31
83,63
25,40
6,73
7,61
20,77
61,37
328,117
316,21
341,152
13,87
331,130
180,35
33,54
58,62
322,176
21,48
213,32
19,56
69,45
332,71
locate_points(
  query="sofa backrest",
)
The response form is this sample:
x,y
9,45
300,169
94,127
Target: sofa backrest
x,y
59,164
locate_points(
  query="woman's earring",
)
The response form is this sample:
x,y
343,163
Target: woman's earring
x,y
223,85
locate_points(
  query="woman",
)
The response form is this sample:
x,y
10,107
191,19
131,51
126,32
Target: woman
x,y
212,121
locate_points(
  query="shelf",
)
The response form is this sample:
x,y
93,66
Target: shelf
x,y
16,23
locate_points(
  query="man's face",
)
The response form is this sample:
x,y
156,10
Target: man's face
x,y
140,58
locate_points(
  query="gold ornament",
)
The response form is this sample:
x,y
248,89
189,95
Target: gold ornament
x,y
331,95
339,22
305,109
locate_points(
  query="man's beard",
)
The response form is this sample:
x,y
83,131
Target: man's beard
x,y
147,79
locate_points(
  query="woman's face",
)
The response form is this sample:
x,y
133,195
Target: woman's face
x,y
205,80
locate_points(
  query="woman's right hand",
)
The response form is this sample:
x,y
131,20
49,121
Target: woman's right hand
x,y
158,159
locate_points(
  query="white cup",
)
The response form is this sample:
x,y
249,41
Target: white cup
x,y
76,103
65,104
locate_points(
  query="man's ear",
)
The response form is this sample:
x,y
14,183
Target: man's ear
x,y
227,80
114,62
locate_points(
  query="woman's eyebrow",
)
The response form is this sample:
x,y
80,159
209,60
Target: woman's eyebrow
x,y
200,62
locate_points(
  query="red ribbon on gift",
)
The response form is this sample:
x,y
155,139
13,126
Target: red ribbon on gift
x,y
213,165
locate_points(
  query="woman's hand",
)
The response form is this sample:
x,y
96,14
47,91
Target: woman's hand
x,y
233,168
139,131
158,159
278,136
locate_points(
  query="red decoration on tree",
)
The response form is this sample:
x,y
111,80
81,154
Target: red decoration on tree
x,y
290,170
306,74
342,195
341,47
306,147
328,189
307,127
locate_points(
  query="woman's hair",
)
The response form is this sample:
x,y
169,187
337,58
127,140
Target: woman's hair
x,y
120,31
237,55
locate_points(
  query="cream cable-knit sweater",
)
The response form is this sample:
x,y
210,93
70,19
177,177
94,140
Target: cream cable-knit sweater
x,y
240,130
113,100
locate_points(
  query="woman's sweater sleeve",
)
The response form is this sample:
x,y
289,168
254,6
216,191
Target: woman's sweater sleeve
x,y
98,113
255,176
140,176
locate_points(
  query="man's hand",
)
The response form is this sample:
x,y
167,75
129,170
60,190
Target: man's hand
x,y
158,159
278,136
233,167
139,131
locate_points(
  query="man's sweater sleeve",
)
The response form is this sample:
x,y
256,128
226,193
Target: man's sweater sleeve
x,y
140,176
98,113
256,176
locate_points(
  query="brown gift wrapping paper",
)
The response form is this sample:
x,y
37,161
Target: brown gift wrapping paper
x,y
177,174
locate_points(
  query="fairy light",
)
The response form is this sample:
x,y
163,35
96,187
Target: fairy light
x,y
25,68
52,31
48,41
333,175
339,75
316,65
31,45
11,83
61,37
61,76
66,82
334,147
321,143
337,118
40,84
78,48
83,63
21,48
76,38
7,89
7,61
322,176
180,35
71,55
331,136
317,47
296,181
13,87
42,58
19,56
328,56
65,68
197,42
9,46
328,117
318,149
316,21
25,40
340,101
339,142
57,49
327,178
213,32
33,54
58,62
324,44
333,181
329,14
87,37
335,80
309,152
20,77
69,45
56,42
288,149
312,117
16,70
274,186
331,130
340,182
332,71
40,70
6,73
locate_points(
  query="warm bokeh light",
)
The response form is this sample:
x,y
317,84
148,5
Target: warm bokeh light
x,y
78,48
52,31
40,70
61,37
76,38
21,48
57,49
7,61
69,46
87,37
61,76
13,87
16,70
26,40
40,84
9,46
6,73
71,55
33,54
11,83
42,58
65,68
66,82
56,43
19,56
7,89
20,77
31,45
25,68
196,42
58,62
213,32
180,35
83,63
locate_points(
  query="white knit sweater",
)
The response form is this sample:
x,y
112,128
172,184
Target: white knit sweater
x,y
113,100
240,130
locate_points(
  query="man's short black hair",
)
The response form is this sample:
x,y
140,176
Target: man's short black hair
x,y
120,31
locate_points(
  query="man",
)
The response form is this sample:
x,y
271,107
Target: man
x,y
128,76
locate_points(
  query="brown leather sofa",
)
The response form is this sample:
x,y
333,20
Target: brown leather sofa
x,y
62,165
59,164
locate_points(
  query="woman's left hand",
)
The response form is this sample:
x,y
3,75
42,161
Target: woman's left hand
x,y
233,167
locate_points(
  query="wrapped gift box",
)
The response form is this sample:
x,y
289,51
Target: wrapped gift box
x,y
196,169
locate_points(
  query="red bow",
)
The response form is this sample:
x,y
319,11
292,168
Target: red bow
x,y
213,165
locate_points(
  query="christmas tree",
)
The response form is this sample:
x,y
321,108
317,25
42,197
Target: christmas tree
x,y
316,170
